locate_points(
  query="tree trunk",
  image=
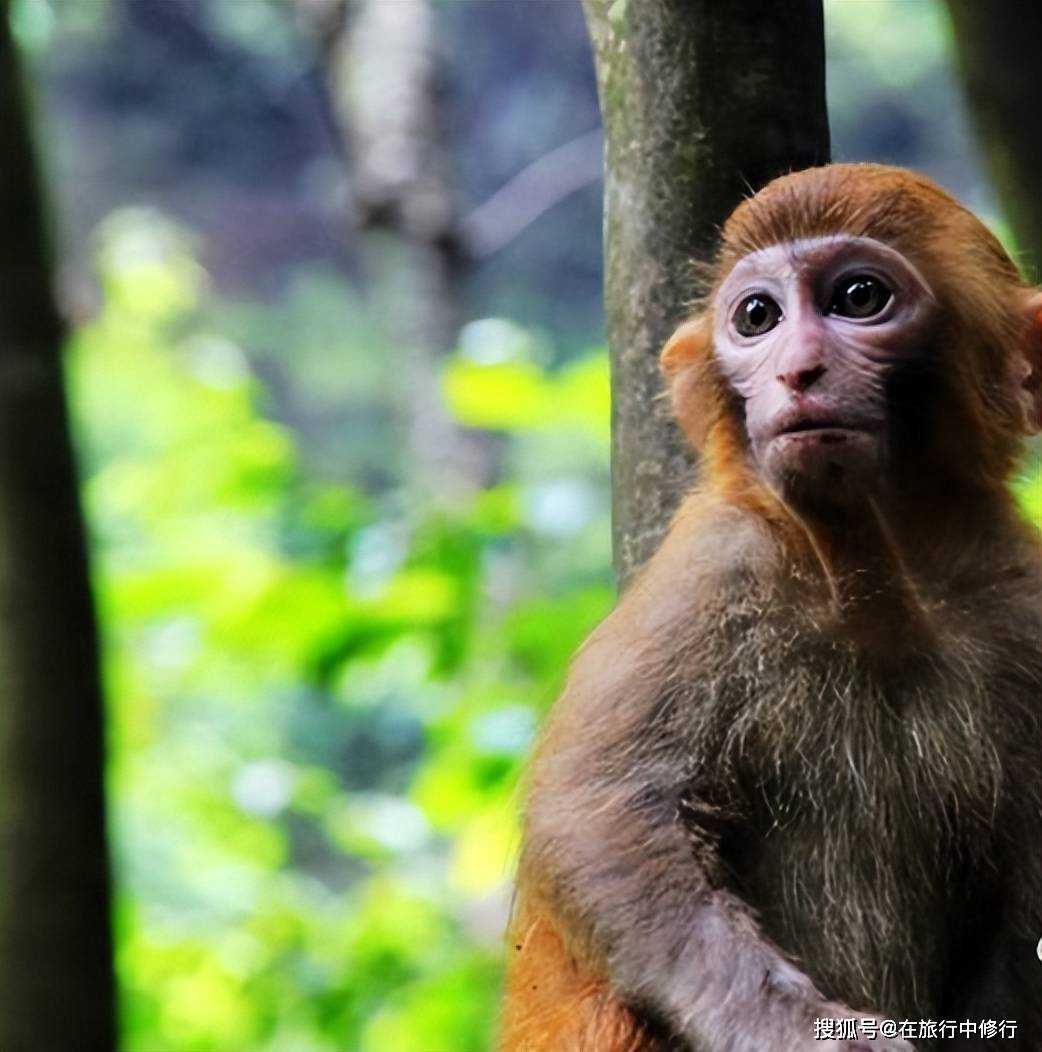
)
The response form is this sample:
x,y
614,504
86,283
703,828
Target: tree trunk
x,y
703,103
997,47
382,67
56,979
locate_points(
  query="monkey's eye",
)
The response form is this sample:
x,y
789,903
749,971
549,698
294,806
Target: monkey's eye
x,y
756,315
859,296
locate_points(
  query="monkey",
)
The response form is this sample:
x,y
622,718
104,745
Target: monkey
x,y
796,774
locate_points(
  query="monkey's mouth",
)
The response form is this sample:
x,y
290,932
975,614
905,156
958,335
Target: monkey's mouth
x,y
824,433
824,430
816,445
814,420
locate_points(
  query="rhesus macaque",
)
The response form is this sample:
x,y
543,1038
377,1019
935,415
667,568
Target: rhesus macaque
x,y
797,774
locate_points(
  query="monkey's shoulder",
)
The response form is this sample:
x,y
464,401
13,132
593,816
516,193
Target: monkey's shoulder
x,y
721,625
702,593
714,553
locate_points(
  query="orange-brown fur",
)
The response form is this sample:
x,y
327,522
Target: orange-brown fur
x,y
558,995
912,215
554,1001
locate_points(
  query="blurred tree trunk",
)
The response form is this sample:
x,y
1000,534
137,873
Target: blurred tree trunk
x,y
997,45
703,102
382,68
56,978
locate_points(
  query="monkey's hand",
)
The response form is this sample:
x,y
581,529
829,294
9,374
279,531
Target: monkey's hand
x,y
832,1010
866,1044
651,906
624,851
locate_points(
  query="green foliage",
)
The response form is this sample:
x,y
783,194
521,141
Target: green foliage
x,y
1028,487
320,698
496,382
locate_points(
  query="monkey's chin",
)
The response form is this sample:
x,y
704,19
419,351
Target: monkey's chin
x,y
823,466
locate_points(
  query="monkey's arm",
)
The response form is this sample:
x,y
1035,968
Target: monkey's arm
x,y
640,895
633,894
999,976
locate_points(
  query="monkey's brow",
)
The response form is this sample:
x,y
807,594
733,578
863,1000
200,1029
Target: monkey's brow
x,y
785,256
827,248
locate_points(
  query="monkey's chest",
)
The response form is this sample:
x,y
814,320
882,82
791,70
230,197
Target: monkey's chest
x,y
854,801
862,900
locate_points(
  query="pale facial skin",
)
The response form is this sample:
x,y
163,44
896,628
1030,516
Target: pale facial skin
x,y
807,333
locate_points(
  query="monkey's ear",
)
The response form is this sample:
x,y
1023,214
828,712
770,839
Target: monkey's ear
x,y
682,359
1030,371
686,345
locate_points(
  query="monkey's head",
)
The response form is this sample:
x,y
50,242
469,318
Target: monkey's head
x,y
861,328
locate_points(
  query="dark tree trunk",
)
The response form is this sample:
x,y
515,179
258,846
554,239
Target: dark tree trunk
x,y
56,979
997,45
703,102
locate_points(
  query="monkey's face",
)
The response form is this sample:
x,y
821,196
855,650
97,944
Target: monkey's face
x,y
808,334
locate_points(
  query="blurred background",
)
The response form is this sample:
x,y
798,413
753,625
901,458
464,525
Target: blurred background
x,y
341,410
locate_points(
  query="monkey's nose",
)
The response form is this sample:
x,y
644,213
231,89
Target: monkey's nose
x,y
800,379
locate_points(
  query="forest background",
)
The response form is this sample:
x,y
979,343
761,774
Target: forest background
x,y
341,409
